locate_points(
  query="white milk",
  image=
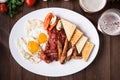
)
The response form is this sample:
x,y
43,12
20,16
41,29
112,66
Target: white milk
x,y
92,5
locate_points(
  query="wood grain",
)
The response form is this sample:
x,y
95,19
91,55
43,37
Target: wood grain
x,y
115,58
4,48
106,65
15,68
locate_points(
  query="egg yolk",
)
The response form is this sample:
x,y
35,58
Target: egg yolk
x,y
32,46
42,38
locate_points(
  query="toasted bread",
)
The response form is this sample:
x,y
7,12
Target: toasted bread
x,y
87,50
69,28
76,36
81,43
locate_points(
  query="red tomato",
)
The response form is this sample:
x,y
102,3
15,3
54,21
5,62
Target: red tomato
x,y
3,8
47,20
30,2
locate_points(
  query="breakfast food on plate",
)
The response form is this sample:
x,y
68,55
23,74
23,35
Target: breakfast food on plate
x,y
81,43
87,50
76,36
35,36
64,52
69,54
54,39
47,20
69,28
53,22
59,48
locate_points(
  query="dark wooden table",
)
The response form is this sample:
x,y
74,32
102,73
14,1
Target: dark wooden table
x,y
106,66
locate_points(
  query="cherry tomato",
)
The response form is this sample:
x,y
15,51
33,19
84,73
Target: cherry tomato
x,y
3,8
30,2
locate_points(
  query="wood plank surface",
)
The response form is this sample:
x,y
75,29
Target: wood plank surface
x,y
15,68
106,65
4,48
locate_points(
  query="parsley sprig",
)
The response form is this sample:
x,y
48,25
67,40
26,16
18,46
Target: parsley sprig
x,y
13,6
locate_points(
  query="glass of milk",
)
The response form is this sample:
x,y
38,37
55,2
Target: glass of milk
x,y
92,5
109,22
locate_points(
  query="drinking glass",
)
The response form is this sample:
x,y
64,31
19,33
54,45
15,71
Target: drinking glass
x,y
92,5
109,22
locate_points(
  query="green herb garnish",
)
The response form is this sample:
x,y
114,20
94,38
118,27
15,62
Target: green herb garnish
x,y
13,6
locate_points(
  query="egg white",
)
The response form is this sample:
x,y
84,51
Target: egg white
x,y
22,46
32,30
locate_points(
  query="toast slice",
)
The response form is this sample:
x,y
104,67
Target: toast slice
x,y
76,36
81,43
69,28
87,50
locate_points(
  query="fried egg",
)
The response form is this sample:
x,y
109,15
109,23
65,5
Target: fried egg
x,y
34,28
34,38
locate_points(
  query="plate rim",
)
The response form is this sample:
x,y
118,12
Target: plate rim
x,y
58,9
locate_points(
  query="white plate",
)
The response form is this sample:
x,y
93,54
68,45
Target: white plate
x,y
54,69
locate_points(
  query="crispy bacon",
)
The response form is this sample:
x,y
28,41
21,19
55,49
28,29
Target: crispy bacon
x,y
59,48
51,50
43,56
63,55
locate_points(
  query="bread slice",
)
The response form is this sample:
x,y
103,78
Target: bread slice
x,y
87,50
76,36
81,43
69,28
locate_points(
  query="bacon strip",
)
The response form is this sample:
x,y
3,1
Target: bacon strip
x,y
43,56
75,54
59,48
63,56
74,51
76,57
